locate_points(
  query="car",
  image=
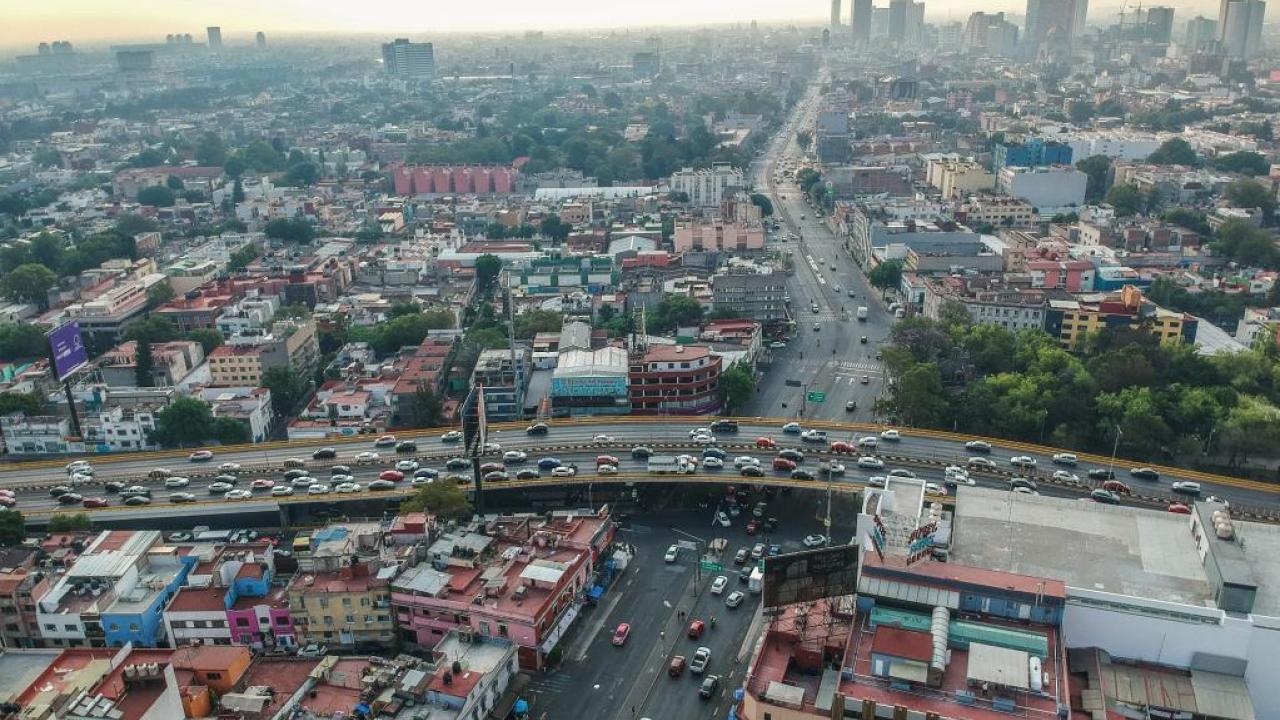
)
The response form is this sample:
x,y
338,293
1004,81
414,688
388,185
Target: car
x,y
863,340
1102,474
801,475
673,552
176,482
515,456
734,599
201,456
407,466
1023,483
1144,473
865,380
220,487
325,453
426,473
751,471
136,500
1025,491
237,495
1186,487
934,489
704,439
813,541
1065,459
420,481
744,575
777,345
850,406
1116,487
281,491
94,502
784,464
1022,461
366,456
528,474
867,462
181,535
113,486
814,436
181,497
318,489
764,442
564,471
902,473
601,438
744,460
338,470
459,478
496,476
1065,476
954,480
700,431
80,478
537,429
159,473
406,446
978,446
382,485
294,463
723,519
302,481
606,460
792,428
228,479
385,441
549,463
713,452
78,466
981,463
676,668
491,447
262,484
1179,508
69,498
869,441
724,426
229,466
347,487
621,634
313,651
757,551
701,658
1105,497
817,327
712,463
492,467
791,454
742,555
840,446
392,475
641,452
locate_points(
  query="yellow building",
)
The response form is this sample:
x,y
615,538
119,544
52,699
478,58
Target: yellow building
x,y
1072,320
346,607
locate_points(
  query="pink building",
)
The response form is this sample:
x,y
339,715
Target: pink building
x,y
1069,275
522,581
711,236
444,180
229,600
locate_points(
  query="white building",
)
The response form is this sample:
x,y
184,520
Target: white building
x,y
706,187
251,405
1047,189
253,312
1115,144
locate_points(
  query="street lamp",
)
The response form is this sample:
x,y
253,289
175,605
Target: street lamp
x,y
697,577
1114,448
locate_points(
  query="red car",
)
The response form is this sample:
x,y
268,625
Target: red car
x,y
1116,487
676,668
753,527
696,627
842,447
1179,508
95,502
783,464
606,460
8,501
492,467
392,475
621,634
765,442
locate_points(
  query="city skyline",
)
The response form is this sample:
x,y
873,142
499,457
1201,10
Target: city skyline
x,y
86,22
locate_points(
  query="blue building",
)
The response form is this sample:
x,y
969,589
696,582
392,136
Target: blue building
x,y
1032,153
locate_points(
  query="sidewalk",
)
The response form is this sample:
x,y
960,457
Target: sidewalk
x,y
655,663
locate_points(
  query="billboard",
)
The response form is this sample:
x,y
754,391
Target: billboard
x,y
810,575
69,353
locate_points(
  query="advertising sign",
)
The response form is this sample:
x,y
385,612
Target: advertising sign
x,y
69,353
810,575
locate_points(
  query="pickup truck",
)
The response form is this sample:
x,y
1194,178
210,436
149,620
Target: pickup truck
x,y
669,465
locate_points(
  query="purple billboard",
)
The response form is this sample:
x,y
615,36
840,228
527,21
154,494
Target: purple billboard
x,y
69,353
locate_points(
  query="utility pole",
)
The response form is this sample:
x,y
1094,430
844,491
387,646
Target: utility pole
x,y
1114,448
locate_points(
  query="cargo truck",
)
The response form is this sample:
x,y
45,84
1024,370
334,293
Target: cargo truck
x,y
862,313
669,465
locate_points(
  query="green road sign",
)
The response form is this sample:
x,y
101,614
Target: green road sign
x,y
710,566
817,397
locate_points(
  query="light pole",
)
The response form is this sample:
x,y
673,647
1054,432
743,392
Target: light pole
x,y
697,569
1114,448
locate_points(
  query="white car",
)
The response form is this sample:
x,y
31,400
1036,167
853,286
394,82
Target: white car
x,y
700,431
877,481
366,456
407,465
303,481
602,438
318,489
1022,461
867,462
964,479
814,435
451,436
832,467
607,470
1064,476
564,471
792,428
723,519
80,466
954,470
813,541
672,554
734,599
712,463
934,489
1065,459
229,466
78,478
891,434
220,487
281,491
899,472
176,482
704,439
492,447
744,460
719,584
1186,487
238,495
515,456
347,487
982,462
869,441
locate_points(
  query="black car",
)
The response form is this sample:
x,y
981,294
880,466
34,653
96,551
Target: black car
x,y
537,429
406,446
716,453
113,486
340,470
137,500
327,453
725,426
228,479
528,474
771,524
1101,474
745,573
710,684
458,464
752,471
1144,473
791,454
801,475
640,452
1021,482
70,498
59,490
295,474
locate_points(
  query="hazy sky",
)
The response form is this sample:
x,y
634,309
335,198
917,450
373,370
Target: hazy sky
x,y
26,22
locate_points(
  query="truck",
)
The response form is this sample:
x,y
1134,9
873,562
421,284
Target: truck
x,y
756,583
862,313
669,465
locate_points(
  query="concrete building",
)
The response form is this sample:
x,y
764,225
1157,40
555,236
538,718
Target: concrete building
x,y
249,404
345,607
409,60
1047,189
104,319
1115,144
675,380
758,295
504,381
996,210
1159,25
718,236
1051,20
1071,320
1007,308
1031,153
1240,27
956,179
215,37
243,359
860,21
1201,33
707,187
990,33
587,382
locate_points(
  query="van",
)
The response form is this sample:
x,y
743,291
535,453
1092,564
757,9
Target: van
x,y
160,474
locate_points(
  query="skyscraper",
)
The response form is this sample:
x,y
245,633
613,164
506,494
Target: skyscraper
x,y
900,12
1055,18
405,59
1159,27
1240,27
835,14
1201,32
215,37
261,39
860,20
1080,14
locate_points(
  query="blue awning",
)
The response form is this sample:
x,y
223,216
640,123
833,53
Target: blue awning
x,y
522,707
364,708
596,592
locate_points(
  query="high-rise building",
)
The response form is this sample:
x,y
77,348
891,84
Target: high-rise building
x,y
915,24
261,39
405,59
1159,27
215,37
1201,33
1052,20
990,33
1080,13
835,14
1240,27
860,20
900,12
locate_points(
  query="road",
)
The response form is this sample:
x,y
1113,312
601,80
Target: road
x,y
827,354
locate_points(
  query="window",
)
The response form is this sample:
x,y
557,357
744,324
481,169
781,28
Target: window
x,y
351,618
364,602
502,629
113,627
133,627
242,622
346,602
328,620
213,675
324,602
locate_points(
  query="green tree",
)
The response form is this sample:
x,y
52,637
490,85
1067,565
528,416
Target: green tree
x,y
737,386
1098,170
173,182
445,500
298,231
210,151
532,322
234,167
29,283
425,409
156,196
887,274
19,342
605,313
242,256
487,269
13,528
261,156
762,201
131,224
674,311
69,522
1251,194
185,421
231,431
1127,200
552,228
159,294
47,157
919,397
1187,218
1245,244
1243,162
804,138
1174,151
287,387
303,174
1081,111
209,338
1136,411
47,250
11,402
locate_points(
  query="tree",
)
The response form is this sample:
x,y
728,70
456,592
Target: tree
x,y
1187,218
69,522
737,386
242,256
887,274
210,151
445,500
26,403
298,231
488,266
47,157
287,389
29,283
1098,169
1251,194
208,338
156,196
234,167
607,312
762,201
185,421
1246,244
919,396
131,224
532,322
1127,200
19,342
675,311
1174,151
552,228
173,182
13,528
231,431
803,139
159,294
1081,111
425,409
1243,162
303,174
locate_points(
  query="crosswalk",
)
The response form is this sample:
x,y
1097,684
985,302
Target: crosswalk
x,y
865,366
551,684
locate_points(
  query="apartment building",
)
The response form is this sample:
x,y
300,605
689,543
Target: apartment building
x,y
230,599
707,187
291,344
755,293
105,318
958,178
718,236
1071,320
347,607
675,380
